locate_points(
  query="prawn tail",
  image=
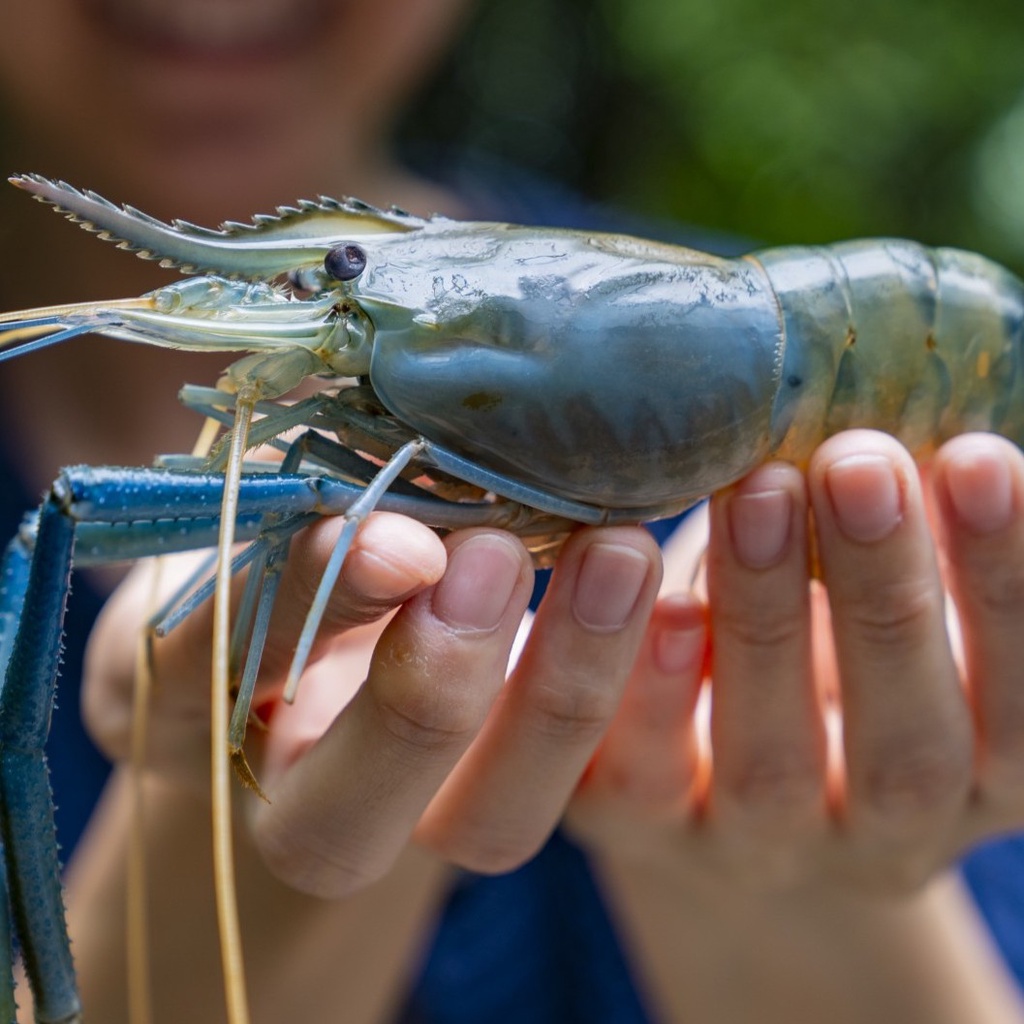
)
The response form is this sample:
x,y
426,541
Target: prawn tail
x,y
919,342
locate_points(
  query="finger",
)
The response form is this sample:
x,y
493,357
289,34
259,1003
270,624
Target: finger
x,y
508,793
392,557
649,756
907,731
343,806
767,732
979,486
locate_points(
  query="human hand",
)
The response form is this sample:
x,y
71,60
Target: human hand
x,y
435,744
391,559
925,762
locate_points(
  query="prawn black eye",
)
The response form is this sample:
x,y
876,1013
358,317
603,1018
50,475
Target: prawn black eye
x,y
345,262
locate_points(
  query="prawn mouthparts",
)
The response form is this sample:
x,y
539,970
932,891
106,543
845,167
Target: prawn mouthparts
x,y
531,379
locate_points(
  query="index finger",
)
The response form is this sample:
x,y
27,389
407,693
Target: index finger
x,y
345,802
392,558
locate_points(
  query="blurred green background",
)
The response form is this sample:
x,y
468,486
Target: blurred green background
x,y
792,121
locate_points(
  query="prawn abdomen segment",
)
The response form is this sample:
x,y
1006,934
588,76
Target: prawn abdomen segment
x,y
921,343
610,377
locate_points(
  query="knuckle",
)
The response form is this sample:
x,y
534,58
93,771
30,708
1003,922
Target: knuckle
x,y
766,626
998,589
429,719
774,784
573,708
911,780
309,869
892,614
642,787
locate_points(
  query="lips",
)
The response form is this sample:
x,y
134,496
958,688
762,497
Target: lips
x,y
215,28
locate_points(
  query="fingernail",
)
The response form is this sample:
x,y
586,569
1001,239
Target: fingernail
x,y
759,521
980,489
477,586
865,496
676,650
380,578
391,558
607,586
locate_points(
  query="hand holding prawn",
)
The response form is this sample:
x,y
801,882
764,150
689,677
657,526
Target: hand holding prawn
x,y
867,748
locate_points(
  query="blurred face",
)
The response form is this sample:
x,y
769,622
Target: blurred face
x,y
202,108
